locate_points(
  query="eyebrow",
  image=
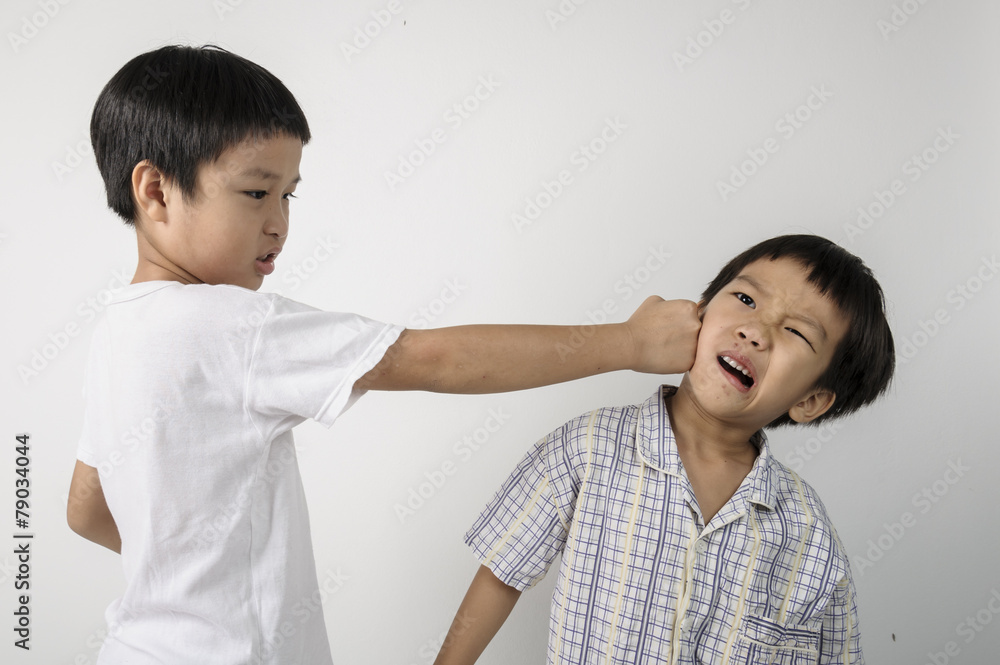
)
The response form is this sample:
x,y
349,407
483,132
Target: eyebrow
x,y
264,174
805,318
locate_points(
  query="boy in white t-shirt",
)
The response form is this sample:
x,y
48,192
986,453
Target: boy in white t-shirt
x,y
199,150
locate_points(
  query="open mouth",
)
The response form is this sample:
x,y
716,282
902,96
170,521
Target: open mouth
x,y
741,373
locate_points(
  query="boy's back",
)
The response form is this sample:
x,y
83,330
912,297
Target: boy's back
x,y
191,396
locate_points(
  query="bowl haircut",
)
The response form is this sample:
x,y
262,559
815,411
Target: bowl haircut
x,y
180,107
862,364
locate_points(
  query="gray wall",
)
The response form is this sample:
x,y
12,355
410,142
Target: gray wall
x,y
709,126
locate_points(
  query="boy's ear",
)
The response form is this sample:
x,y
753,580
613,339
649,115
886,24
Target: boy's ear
x,y
813,406
149,191
701,309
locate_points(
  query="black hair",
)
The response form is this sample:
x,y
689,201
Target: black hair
x,y
863,362
180,107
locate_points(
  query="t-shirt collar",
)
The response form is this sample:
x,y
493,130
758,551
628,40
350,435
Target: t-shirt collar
x,y
140,289
658,449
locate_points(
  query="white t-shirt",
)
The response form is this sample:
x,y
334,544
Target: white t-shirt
x,y
191,395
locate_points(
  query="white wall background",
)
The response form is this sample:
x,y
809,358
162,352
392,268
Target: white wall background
x,y
894,76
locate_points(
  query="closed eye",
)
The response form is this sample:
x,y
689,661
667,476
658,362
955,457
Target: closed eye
x,y
796,332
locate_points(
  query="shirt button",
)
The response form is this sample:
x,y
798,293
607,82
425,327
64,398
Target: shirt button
x,y
790,643
686,624
700,547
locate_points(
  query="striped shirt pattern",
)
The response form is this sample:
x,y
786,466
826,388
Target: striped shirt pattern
x,y
642,579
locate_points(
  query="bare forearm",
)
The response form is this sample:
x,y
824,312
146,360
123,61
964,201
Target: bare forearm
x,y
104,534
87,510
660,337
486,606
499,358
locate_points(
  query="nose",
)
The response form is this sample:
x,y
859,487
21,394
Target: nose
x,y
754,333
277,221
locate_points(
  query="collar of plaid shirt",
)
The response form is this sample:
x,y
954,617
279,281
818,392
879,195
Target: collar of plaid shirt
x,y
658,449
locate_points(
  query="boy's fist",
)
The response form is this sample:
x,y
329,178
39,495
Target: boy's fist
x,y
664,335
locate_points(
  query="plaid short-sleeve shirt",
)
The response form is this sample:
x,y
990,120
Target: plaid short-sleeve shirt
x,y
642,578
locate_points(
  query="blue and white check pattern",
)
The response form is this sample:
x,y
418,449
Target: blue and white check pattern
x,y
642,579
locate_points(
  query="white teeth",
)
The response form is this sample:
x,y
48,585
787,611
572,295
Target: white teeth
x,y
739,368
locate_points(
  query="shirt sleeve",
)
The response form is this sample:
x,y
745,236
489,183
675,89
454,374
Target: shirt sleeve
x,y
840,642
95,430
525,526
306,361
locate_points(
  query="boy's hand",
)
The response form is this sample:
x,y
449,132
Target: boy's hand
x,y
664,335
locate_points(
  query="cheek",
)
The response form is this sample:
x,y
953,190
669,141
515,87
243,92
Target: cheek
x,y
711,338
797,373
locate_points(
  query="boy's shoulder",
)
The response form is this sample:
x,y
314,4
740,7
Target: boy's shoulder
x,y
190,292
798,505
599,428
793,492
189,304
597,441
171,314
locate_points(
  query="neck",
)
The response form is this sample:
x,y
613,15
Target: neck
x,y
695,430
153,266
148,271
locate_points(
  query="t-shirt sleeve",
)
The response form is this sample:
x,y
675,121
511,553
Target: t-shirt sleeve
x,y
306,361
85,451
95,430
525,526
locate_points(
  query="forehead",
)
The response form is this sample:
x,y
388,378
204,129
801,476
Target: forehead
x,y
783,276
272,158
